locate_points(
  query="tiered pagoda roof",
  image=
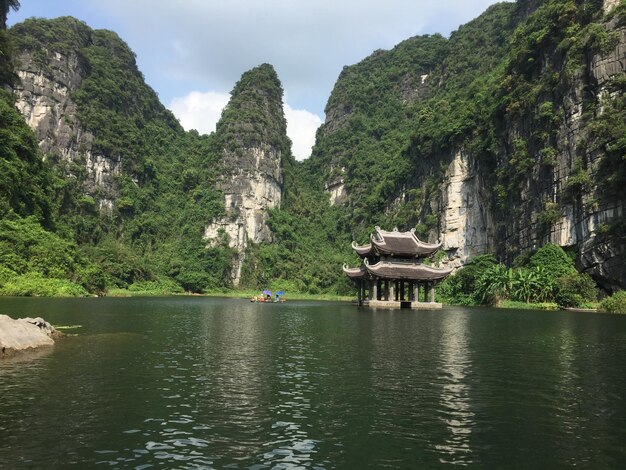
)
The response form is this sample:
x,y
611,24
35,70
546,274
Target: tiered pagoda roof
x,y
395,243
396,255
397,270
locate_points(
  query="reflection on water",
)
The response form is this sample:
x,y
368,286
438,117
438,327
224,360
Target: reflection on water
x,y
289,440
456,413
216,383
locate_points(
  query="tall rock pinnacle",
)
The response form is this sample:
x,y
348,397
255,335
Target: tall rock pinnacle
x,y
251,138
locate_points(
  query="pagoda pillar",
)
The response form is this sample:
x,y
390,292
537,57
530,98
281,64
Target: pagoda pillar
x,y
386,290
410,295
370,289
432,291
416,292
375,289
392,290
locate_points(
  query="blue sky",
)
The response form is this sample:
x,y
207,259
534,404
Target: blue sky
x,y
192,52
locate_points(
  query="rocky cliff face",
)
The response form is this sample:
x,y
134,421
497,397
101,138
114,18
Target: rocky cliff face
x,y
48,78
467,224
563,197
503,168
566,199
252,140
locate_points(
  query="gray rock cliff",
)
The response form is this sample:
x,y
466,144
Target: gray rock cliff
x,y
566,201
44,98
252,141
542,177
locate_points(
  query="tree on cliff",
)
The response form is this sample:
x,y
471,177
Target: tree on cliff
x,y
5,6
7,75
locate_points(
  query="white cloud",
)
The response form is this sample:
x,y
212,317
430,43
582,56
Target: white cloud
x,y
301,127
201,111
207,44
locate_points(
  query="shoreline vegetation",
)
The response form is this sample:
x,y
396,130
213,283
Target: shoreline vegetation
x,y
613,304
232,293
547,280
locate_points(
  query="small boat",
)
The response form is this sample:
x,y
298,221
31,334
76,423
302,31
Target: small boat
x,y
265,301
266,297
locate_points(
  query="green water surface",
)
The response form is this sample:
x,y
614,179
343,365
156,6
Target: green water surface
x,y
223,383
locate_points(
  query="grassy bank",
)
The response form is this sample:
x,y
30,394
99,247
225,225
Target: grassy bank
x,y
529,306
235,294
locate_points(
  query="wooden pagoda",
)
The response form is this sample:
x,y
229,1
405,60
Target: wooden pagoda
x,y
392,273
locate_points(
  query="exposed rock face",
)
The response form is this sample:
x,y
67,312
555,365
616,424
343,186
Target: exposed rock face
x,y
44,98
336,187
560,199
467,223
51,68
608,5
582,211
253,187
604,258
252,158
24,334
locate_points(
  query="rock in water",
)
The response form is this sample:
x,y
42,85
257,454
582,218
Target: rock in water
x,y
24,334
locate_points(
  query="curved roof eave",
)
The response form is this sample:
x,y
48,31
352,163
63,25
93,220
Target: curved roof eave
x,y
354,273
362,250
416,272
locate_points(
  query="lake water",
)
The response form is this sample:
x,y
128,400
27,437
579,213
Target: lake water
x,y
222,383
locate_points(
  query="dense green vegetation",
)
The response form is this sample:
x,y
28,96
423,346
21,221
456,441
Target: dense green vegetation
x,y
615,303
167,181
254,116
495,89
549,276
311,244
25,180
34,261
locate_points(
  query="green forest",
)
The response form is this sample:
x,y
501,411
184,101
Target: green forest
x,y
394,120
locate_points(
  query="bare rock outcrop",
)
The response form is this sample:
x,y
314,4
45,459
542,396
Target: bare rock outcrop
x,y
253,143
24,334
51,70
467,224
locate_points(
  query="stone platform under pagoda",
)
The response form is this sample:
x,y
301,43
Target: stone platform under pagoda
x,y
394,304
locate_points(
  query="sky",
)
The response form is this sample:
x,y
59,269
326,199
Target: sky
x,y
192,52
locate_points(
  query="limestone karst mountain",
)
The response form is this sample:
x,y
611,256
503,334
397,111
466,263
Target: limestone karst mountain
x,y
251,140
504,137
497,139
127,164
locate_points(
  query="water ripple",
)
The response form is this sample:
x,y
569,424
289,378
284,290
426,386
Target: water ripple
x,y
227,384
